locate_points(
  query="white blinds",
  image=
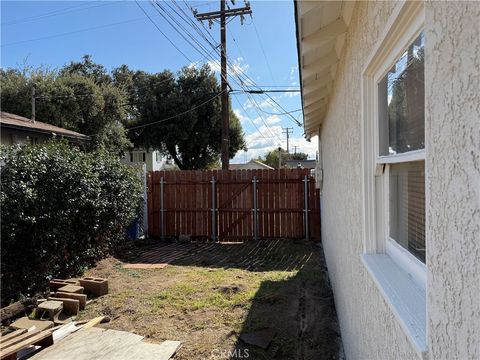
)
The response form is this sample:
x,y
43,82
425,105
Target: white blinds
x,y
407,206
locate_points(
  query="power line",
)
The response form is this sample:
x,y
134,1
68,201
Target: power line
x,y
263,91
263,51
223,14
256,86
56,13
283,113
73,32
175,116
160,30
201,49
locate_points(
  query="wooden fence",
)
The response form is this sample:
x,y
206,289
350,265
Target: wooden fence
x,y
233,205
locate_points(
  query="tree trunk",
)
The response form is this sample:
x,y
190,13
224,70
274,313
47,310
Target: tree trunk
x,y
18,308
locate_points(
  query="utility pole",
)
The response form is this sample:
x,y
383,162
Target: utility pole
x,y
295,149
279,157
33,103
287,131
222,15
225,114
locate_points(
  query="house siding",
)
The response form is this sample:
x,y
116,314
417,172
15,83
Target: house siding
x,y
452,75
369,328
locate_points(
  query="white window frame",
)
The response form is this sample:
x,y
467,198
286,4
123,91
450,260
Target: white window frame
x,y
399,254
394,269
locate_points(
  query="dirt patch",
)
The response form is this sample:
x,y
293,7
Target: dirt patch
x,y
213,293
229,289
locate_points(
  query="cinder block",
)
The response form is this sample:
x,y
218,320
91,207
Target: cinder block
x,y
82,298
51,307
96,286
70,306
55,284
71,289
26,323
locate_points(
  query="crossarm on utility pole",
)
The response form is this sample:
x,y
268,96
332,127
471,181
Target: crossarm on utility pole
x,y
222,15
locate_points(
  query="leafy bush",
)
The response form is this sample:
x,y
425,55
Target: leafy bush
x,y
61,209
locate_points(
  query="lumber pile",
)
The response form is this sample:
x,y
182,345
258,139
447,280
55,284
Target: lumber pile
x,y
66,299
22,339
52,333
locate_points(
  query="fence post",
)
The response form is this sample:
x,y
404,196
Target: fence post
x,y
145,201
214,225
305,186
162,209
255,209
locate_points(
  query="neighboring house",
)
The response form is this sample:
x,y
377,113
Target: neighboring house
x,y
251,165
154,160
17,130
305,164
393,91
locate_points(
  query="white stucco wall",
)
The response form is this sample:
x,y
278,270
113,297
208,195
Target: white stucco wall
x,y
452,93
369,328
150,160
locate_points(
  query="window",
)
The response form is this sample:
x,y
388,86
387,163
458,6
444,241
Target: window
x,y
137,156
393,165
401,131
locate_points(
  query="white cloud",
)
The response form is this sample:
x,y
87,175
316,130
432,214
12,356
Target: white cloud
x,y
238,66
267,119
243,119
266,103
259,146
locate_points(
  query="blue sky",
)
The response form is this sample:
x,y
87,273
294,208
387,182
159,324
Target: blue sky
x,y
53,33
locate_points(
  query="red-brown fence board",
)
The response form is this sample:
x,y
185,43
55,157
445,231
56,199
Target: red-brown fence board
x,y
188,203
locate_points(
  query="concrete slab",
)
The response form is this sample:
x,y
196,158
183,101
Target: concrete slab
x,y
261,338
106,344
26,323
71,289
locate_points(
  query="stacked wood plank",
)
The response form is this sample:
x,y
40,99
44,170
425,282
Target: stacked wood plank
x,y
18,340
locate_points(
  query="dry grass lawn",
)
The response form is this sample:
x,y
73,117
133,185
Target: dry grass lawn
x,y
211,293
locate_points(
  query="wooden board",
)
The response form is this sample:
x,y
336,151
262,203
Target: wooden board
x,y
98,344
43,338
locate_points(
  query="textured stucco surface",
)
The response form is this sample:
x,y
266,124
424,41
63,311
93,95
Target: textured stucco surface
x,y
452,74
369,328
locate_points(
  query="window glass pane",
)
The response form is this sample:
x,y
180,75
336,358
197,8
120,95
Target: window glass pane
x,y
407,206
402,103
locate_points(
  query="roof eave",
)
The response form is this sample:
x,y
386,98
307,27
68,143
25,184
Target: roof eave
x,y
46,132
299,58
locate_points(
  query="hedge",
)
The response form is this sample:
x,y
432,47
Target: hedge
x,y
61,210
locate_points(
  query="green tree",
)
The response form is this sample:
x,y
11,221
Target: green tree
x,y
298,156
69,99
272,157
192,139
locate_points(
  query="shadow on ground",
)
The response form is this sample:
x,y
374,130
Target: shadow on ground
x,y
299,312
293,318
